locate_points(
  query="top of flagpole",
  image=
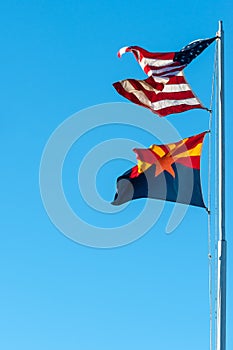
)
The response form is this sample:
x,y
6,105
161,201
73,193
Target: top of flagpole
x,y
220,26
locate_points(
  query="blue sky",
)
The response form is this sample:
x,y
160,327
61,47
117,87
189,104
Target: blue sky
x,y
57,59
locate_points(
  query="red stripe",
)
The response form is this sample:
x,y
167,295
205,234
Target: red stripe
x,y
147,54
175,109
181,95
150,81
146,69
177,79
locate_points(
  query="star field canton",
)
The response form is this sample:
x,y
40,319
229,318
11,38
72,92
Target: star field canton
x,y
192,50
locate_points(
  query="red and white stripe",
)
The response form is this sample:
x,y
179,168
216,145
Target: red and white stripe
x,y
175,96
158,65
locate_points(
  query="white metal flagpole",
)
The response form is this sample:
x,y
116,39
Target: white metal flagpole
x,y
222,245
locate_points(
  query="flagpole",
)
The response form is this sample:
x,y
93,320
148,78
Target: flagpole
x,y
222,244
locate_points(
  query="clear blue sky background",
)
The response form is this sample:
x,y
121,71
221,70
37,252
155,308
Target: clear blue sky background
x,y
58,57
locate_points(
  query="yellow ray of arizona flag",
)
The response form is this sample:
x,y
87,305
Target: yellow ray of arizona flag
x,y
170,172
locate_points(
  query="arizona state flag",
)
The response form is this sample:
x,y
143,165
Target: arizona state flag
x,y
169,172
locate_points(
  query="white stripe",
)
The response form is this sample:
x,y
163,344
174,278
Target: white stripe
x,y
159,79
139,94
122,51
142,98
171,103
171,74
158,62
146,61
176,88
167,88
130,88
167,69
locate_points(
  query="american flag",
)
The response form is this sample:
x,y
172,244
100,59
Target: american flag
x,y
162,66
175,96
166,90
